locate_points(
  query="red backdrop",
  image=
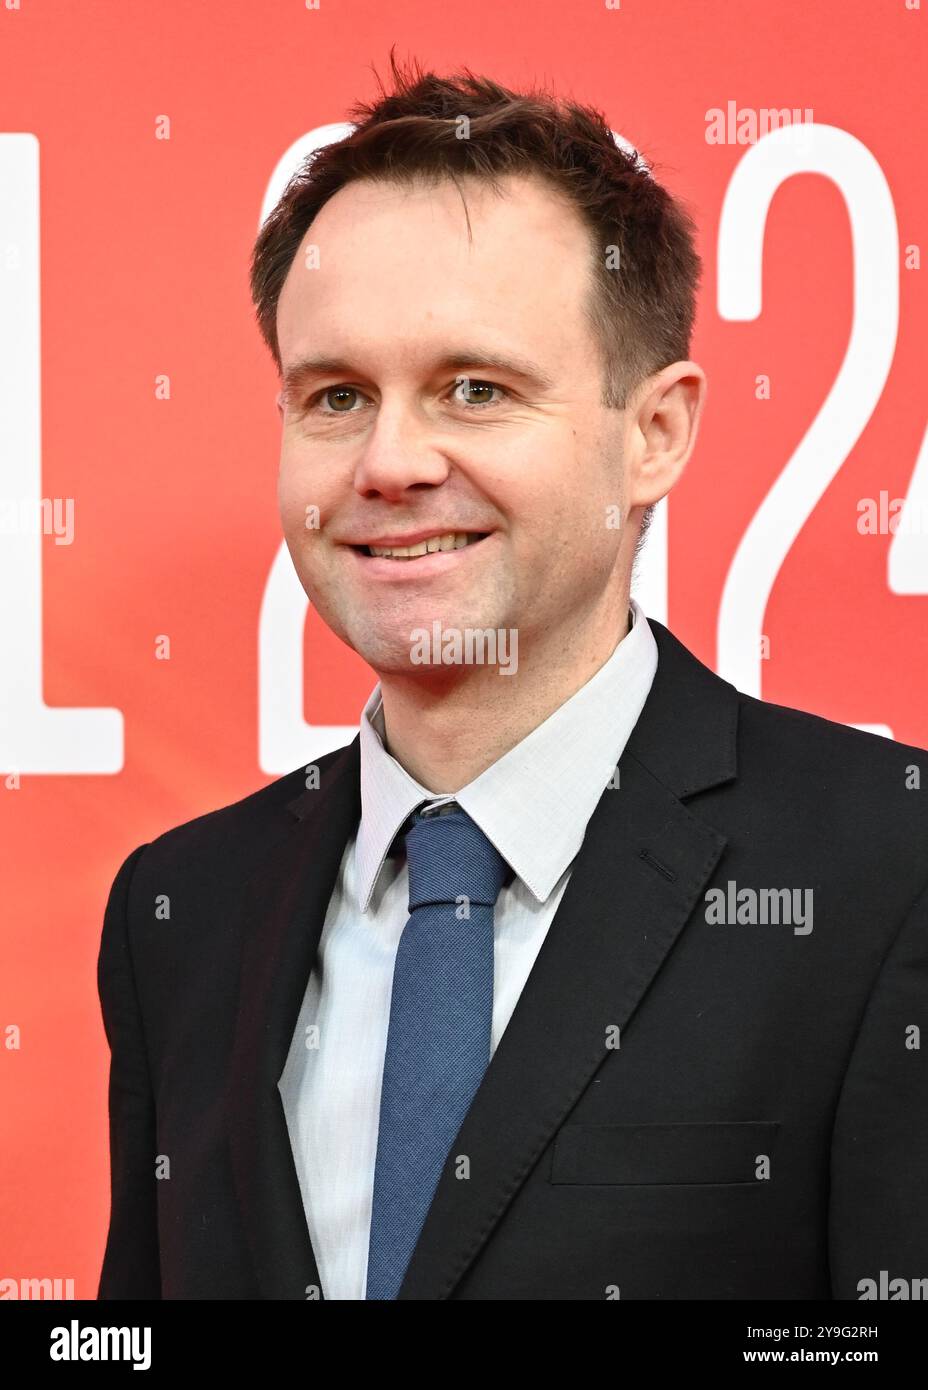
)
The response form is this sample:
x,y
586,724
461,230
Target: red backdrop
x,y
138,147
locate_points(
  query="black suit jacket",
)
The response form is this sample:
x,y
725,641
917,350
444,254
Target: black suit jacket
x,y
759,1132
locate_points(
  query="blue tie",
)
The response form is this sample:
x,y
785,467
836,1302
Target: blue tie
x,y
438,1043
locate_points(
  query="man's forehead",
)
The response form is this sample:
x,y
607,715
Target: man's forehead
x,y
452,206
444,300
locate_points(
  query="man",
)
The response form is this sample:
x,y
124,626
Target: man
x,y
577,974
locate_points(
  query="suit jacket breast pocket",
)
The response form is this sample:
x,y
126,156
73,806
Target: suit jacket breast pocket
x,y
720,1151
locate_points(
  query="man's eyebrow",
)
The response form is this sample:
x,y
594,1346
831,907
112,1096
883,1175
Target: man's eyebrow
x,y
513,364
304,368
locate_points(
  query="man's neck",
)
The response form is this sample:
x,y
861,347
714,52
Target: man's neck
x,y
446,732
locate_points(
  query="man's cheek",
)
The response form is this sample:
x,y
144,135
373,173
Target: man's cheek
x,y
285,501
298,513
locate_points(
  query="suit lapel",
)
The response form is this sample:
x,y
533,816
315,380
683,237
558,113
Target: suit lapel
x,y
639,873
284,906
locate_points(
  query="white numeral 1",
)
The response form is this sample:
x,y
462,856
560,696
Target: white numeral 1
x,y
34,737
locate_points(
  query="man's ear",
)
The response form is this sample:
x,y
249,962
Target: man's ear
x,y
280,404
663,427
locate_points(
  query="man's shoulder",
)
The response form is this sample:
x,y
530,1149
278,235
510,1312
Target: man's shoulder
x,y
782,730
854,784
776,753
233,837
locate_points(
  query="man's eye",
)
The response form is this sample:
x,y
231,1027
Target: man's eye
x,y
344,400
470,385
339,398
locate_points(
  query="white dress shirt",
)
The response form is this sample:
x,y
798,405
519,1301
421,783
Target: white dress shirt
x,y
533,803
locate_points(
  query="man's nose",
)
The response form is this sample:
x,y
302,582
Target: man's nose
x,y
400,452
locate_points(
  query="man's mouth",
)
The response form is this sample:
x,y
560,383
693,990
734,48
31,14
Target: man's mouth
x,y
448,540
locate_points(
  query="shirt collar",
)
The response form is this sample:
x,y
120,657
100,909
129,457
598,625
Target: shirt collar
x,y
519,801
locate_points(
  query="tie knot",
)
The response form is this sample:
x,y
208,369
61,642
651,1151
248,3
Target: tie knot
x,y
449,857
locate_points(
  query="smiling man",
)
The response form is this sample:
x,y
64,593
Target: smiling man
x,y
507,999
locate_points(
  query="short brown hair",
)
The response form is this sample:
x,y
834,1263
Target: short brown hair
x,y
645,265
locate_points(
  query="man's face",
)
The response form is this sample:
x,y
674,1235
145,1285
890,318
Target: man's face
x,y
461,393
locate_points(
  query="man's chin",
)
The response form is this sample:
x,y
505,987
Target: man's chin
x,y
404,659
420,652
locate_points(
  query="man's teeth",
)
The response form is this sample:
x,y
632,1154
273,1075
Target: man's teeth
x,y
451,540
